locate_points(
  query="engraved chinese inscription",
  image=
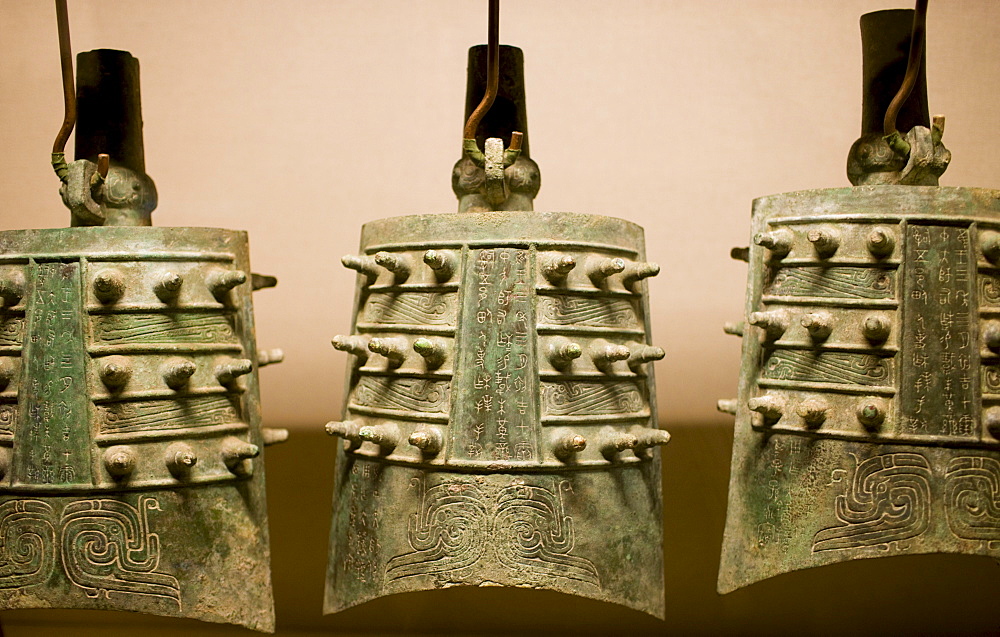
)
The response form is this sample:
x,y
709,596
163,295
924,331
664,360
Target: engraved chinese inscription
x,y
363,554
938,356
54,425
498,366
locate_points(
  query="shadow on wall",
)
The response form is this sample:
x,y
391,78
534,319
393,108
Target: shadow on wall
x,y
930,594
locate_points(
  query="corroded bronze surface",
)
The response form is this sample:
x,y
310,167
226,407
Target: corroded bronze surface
x,y
500,420
130,424
868,418
130,437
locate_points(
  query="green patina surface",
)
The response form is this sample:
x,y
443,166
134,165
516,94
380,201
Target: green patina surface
x,y
867,420
120,490
542,471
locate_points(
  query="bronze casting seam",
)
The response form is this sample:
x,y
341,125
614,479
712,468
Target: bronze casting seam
x,y
492,71
69,92
917,37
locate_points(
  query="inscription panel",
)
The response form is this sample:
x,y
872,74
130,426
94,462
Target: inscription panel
x,y
938,356
497,372
362,559
53,435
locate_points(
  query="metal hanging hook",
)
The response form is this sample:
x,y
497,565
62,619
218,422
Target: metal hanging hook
x,y
69,100
69,92
492,84
492,71
917,40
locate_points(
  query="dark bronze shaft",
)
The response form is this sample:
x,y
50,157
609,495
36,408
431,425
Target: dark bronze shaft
x,y
109,112
508,112
913,66
885,41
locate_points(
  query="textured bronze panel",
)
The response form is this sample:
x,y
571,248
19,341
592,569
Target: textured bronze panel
x,y
492,422
938,356
54,432
494,434
866,424
119,474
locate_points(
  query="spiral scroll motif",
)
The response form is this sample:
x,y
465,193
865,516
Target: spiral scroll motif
x,y
448,533
108,548
887,500
533,534
989,289
27,552
972,493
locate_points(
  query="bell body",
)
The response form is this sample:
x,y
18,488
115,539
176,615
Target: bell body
x,y
493,432
127,432
866,424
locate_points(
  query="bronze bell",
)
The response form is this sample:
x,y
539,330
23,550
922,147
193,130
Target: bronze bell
x,y
867,418
500,418
130,437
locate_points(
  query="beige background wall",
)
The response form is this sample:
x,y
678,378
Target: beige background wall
x,y
298,121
